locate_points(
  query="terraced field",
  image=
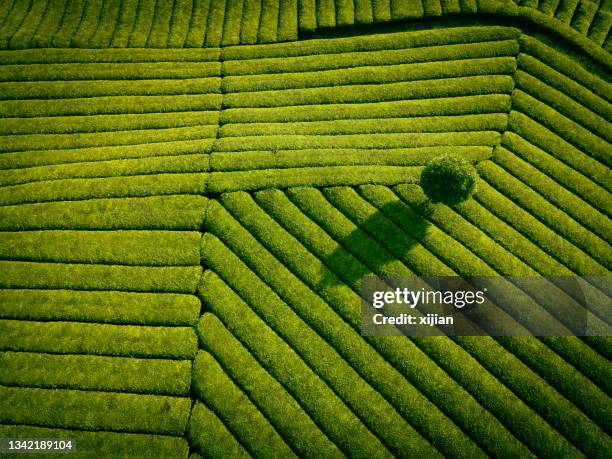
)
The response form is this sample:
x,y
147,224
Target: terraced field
x,y
184,229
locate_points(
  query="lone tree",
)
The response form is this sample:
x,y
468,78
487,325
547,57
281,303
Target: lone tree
x,y
449,180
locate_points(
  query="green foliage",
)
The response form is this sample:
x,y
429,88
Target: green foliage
x,y
100,306
136,247
155,212
207,434
449,180
106,443
94,410
301,433
214,387
98,339
87,372
21,274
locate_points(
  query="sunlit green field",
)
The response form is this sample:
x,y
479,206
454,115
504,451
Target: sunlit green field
x,y
192,190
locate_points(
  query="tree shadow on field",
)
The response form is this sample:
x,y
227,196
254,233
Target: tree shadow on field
x,y
380,245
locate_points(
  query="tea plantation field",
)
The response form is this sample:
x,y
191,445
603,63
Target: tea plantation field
x,y
192,190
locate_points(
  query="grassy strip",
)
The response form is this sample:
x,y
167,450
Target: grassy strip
x,y
359,141
16,16
143,248
77,89
87,372
103,139
268,21
427,124
105,28
251,11
27,28
21,274
221,182
431,423
142,25
214,24
125,23
536,231
555,370
364,400
179,26
492,103
326,13
124,167
98,339
109,105
580,137
157,212
564,65
345,13
571,179
287,20
560,413
282,362
600,27
401,9
5,11
91,444
103,307
484,388
351,271
105,123
503,261
233,22
372,74
94,410
424,89
27,159
553,217
158,37
252,160
110,55
381,10
302,433
548,141
363,12
569,202
375,42
564,104
336,60
108,187
88,24
214,387
197,27
207,434
49,24
69,25
109,71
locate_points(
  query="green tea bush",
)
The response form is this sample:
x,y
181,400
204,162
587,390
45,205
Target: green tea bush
x,y
88,372
216,390
92,443
158,36
268,21
88,24
155,212
234,11
94,410
22,274
98,339
27,28
301,433
251,12
207,434
332,59
109,15
449,180
143,23
125,23
557,170
490,103
69,24
214,24
179,26
130,308
286,366
364,400
135,247
197,27
371,74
